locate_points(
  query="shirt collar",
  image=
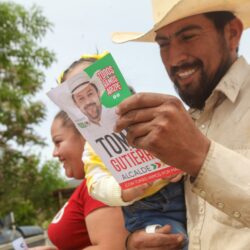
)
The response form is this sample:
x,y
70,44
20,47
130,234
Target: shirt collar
x,y
229,86
231,83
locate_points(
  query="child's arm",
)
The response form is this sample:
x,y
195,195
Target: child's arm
x,y
132,194
103,187
101,184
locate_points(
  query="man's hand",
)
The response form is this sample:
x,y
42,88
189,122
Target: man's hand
x,y
160,124
161,240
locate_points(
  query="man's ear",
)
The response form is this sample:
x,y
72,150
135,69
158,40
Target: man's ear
x,y
233,31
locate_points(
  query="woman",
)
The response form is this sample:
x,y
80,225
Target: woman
x,y
83,223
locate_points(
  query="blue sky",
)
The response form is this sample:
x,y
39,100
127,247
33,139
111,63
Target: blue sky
x,y
83,26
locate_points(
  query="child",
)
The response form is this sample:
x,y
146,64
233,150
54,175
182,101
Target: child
x,y
159,203
144,206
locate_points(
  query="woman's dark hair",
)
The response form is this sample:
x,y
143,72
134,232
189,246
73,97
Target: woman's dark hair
x,y
220,18
66,121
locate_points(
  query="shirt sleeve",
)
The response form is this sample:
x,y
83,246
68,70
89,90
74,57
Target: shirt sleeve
x,y
108,191
224,182
100,183
94,168
89,204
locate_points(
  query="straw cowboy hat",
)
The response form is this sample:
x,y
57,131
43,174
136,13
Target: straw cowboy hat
x,y
169,11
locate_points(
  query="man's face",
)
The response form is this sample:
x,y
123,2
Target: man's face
x,y
195,55
88,101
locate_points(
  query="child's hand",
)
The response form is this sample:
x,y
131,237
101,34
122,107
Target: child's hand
x,y
132,193
174,178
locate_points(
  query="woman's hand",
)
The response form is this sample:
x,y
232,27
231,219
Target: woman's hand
x,y
43,248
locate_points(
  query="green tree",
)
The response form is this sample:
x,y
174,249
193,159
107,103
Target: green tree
x,y
24,189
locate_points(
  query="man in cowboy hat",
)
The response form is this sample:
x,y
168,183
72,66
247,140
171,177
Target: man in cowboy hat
x,y
86,96
198,42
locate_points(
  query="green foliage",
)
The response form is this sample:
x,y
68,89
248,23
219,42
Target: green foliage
x,y
21,60
25,188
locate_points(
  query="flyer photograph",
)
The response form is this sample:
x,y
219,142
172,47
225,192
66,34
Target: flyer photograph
x,y
90,99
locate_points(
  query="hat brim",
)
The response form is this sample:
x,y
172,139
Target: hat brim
x,y
241,8
80,87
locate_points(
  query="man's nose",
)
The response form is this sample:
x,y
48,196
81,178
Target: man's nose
x,y
88,102
176,54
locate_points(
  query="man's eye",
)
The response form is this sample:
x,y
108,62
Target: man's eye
x,y
164,44
188,37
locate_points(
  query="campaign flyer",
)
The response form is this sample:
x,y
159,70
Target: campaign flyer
x,y
89,99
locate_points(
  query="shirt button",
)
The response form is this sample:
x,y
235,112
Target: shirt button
x,y
202,193
203,126
201,210
220,205
236,214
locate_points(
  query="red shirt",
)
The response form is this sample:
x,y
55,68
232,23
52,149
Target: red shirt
x,y
68,230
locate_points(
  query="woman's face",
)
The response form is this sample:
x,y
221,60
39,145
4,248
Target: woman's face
x,y
69,146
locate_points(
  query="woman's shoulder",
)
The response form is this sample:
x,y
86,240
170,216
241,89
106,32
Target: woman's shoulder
x,y
81,195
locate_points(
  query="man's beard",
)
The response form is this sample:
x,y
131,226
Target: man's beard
x,y
197,98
